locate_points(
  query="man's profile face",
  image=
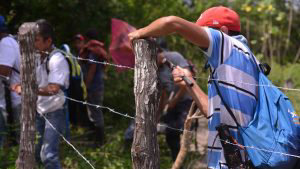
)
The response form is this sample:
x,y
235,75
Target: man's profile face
x,y
78,44
41,43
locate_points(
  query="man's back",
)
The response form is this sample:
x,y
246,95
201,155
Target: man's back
x,y
232,64
97,84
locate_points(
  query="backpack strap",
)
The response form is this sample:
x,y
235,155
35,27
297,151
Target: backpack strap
x,y
55,50
262,67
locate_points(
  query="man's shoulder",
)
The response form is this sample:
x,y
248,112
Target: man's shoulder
x,y
240,43
57,56
173,55
58,59
8,42
176,58
9,52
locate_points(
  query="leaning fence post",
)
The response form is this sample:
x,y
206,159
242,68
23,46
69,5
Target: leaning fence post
x,y
26,36
145,150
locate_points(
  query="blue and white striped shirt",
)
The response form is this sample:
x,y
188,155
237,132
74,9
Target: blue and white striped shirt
x,y
232,64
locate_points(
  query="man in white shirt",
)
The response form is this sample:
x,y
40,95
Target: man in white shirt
x,y
52,78
10,73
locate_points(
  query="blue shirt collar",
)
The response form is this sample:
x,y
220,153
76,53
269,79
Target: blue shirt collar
x,y
242,39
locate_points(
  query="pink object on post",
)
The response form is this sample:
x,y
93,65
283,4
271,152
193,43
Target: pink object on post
x,y
120,48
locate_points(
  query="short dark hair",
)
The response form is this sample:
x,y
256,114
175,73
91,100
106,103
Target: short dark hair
x,y
92,34
45,29
233,33
162,44
230,32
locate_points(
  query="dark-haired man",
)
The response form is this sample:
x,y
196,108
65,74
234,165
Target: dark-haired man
x,y
177,105
230,61
52,78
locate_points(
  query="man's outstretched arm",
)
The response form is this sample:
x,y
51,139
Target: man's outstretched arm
x,y
173,24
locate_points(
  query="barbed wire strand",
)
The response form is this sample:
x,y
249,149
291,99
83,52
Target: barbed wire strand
x,y
251,84
104,63
98,106
115,112
260,149
70,144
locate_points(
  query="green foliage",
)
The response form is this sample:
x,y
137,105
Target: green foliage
x,y
10,156
280,75
265,22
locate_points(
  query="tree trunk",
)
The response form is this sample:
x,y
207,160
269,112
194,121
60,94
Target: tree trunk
x,y
145,150
248,30
288,38
26,159
297,55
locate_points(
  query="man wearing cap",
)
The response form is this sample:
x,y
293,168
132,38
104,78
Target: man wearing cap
x,y
93,75
10,70
217,33
78,42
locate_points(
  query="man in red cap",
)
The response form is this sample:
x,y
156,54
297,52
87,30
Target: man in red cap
x,y
231,100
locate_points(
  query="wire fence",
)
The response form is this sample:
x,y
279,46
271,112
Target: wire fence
x,y
131,117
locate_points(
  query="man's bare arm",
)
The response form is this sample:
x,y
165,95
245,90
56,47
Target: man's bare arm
x,y
195,91
49,90
177,97
173,24
199,97
162,104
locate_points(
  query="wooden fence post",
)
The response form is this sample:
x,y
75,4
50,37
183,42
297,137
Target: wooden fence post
x,y
26,35
145,150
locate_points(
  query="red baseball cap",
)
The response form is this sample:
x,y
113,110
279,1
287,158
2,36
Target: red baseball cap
x,y
216,17
79,37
